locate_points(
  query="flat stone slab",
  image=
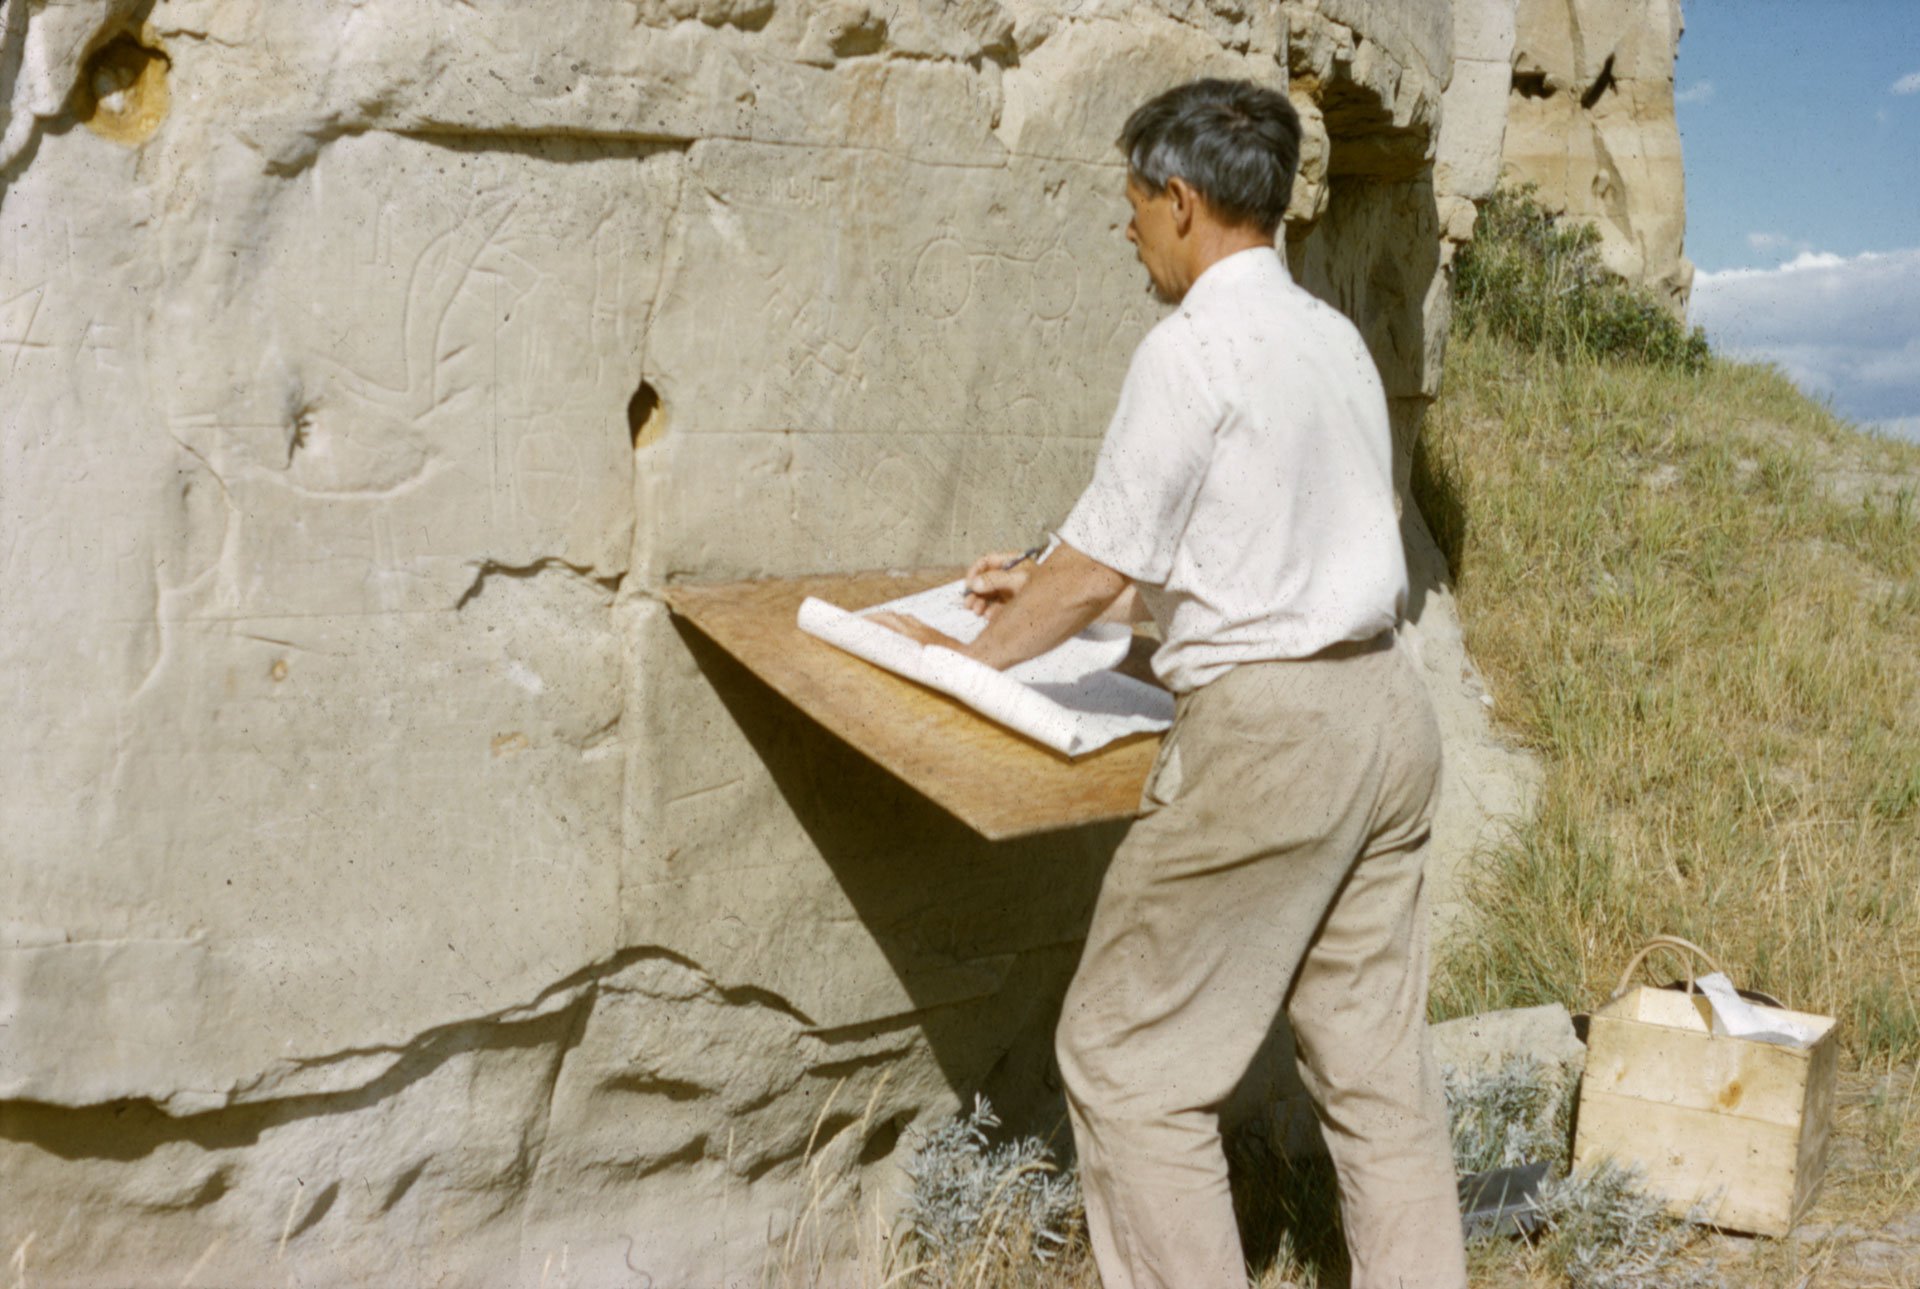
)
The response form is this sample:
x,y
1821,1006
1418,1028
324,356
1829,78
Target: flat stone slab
x,y
1483,1043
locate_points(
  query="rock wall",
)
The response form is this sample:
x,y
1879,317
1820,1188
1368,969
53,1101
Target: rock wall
x,y
1591,122
394,891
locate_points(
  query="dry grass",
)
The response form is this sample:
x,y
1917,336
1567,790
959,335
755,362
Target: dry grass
x,y
1696,597
1288,1214
1872,1184
842,1237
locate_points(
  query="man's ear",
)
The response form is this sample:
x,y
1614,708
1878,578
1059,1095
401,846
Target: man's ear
x,y
1184,199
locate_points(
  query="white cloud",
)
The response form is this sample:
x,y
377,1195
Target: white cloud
x,y
1842,327
1908,84
1701,91
1812,259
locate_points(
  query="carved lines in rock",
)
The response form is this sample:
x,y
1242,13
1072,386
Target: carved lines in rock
x,y
435,280
23,339
1056,285
945,272
547,475
943,277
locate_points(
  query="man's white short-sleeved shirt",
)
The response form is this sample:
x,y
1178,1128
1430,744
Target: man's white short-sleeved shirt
x,y
1246,480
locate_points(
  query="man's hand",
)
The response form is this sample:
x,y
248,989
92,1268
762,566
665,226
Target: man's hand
x,y
991,583
1030,609
915,630
1053,600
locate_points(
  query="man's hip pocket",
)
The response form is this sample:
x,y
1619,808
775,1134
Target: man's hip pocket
x,y
1163,780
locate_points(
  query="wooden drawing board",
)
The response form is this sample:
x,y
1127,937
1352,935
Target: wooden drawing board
x,y
998,782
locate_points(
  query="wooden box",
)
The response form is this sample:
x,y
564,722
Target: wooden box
x,y
1729,1131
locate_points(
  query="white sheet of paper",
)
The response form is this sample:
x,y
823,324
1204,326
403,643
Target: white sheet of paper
x,y
1735,1016
1069,698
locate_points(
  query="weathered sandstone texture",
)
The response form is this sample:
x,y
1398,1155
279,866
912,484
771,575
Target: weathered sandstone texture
x,y
390,890
1591,123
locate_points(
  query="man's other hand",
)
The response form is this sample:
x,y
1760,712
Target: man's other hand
x,y
916,630
990,583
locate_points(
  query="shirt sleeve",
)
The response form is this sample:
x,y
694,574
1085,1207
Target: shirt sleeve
x,y
1152,461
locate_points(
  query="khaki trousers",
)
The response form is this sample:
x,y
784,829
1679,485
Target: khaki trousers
x,y
1277,863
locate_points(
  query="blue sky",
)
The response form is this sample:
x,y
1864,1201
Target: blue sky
x,y
1800,125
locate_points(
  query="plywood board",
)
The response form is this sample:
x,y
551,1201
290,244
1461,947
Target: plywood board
x,y
997,782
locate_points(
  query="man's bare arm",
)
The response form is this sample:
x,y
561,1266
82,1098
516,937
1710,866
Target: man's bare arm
x,y
1127,608
1064,594
1058,599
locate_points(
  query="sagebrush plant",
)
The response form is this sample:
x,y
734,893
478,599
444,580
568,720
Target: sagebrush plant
x,y
1599,1228
1539,281
980,1214
973,1204
1518,1113
1603,1231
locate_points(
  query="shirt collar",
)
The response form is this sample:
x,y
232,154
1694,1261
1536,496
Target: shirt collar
x,y
1241,266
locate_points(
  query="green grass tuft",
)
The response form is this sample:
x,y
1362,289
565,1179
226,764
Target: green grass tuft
x,y
1539,282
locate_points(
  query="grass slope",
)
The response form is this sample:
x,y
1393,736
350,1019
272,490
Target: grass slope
x,y
1694,594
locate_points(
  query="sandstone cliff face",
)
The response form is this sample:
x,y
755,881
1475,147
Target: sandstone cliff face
x,y
1591,123
392,890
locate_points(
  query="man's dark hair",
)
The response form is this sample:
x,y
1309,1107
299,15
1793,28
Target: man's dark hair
x,y
1237,143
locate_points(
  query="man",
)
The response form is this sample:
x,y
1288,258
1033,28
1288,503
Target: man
x,y
1245,488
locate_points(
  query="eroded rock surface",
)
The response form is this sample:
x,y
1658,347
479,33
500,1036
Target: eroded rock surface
x,y
1590,121
393,891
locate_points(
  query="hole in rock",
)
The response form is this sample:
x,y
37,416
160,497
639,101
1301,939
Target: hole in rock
x,y
752,16
1532,85
881,1141
646,422
867,36
122,91
1601,84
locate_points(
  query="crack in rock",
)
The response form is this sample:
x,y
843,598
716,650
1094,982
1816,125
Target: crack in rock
x,y
299,1088
487,569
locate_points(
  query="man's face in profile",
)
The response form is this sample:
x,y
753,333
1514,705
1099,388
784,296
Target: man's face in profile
x,y
1155,240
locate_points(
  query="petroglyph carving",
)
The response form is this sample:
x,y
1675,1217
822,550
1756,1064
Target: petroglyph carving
x,y
17,317
943,277
445,267
1056,284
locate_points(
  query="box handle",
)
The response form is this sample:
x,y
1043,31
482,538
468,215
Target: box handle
x,y
1687,949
